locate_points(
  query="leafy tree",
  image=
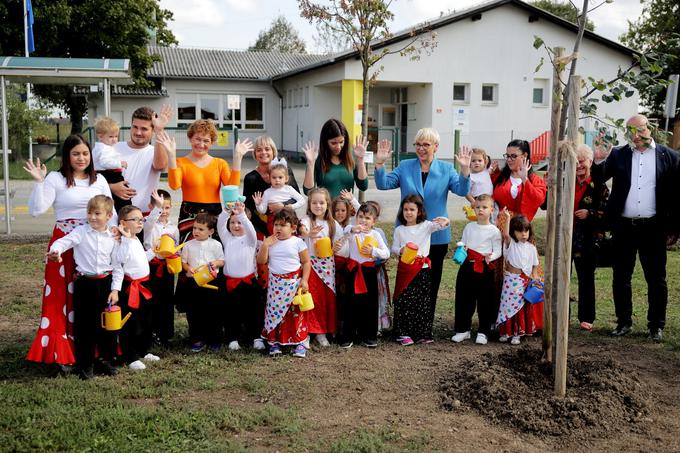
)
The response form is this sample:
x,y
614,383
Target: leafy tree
x,y
281,36
329,42
566,11
20,119
656,31
86,29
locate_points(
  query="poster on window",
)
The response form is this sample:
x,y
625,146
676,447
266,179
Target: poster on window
x,y
461,120
233,102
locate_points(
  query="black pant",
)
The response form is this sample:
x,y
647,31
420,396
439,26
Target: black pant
x,y
162,304
90,297
648,239
474,289
204,310
437,254
585,271
244,312
113,177
360,311
135,337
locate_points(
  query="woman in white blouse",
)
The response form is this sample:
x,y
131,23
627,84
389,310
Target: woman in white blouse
x,y
67,191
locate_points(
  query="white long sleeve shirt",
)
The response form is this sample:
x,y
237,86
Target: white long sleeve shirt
x,y
239,251
105,157
484,239
419,234
153,230
92,249
324,233
129,259
280,195
197,253
68,202
379,252
641,199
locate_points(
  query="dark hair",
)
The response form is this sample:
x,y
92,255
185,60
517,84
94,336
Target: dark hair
x,y
348,206
207,219
163,193
520,223
286,215
66,170
523,146
125,210
144,113
416,200
375,205
370,208
331,129
484,197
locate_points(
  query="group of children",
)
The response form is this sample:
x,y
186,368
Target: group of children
x,y
335,252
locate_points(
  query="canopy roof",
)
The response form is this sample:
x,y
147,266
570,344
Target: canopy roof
x,y
65,71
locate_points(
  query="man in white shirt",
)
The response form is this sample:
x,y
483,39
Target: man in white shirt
x,y
145,162
644,219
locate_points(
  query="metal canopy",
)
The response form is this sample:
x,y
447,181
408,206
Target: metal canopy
x,y
55,71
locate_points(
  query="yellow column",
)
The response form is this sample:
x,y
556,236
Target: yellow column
x,y
352,91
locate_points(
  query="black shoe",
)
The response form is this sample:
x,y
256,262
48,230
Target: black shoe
x,y
105,368
621,331
370,344
346,345
656,335
85,373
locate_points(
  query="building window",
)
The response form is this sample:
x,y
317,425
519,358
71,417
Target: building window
x,y
461,93
489,93
540,93
186,107
210,107
254,113
249,115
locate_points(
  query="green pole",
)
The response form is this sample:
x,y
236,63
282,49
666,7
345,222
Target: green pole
x,y
456,146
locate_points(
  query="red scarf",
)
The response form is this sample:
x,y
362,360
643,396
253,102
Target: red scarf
x,y
478,261
407,272
233,282
135,288
359,282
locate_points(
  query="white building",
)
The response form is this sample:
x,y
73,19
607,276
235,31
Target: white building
x,y
480,79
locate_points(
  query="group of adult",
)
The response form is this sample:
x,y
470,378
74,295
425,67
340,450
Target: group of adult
x,y
644,175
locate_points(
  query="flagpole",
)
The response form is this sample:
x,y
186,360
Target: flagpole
x,y
28,85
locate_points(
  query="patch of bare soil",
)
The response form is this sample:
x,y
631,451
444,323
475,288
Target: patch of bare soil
x,y
515,389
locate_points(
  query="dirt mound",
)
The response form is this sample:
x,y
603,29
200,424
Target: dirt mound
x,y
515,389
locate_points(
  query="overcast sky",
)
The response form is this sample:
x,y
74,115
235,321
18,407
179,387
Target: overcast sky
x,y
235,24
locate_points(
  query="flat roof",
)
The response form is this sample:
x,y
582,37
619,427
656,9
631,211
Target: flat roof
x,y
65,71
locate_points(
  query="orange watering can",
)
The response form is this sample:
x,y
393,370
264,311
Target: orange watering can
x,y
205,274
111,318
167,247
303,301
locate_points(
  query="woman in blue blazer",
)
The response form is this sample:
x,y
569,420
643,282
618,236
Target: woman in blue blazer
x,y
432,179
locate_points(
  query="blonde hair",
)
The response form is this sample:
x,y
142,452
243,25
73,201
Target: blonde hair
x,y
262,141
428,133
104,125
203,127
328,215
102,202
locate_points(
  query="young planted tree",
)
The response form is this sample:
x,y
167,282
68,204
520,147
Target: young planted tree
x,y
281,36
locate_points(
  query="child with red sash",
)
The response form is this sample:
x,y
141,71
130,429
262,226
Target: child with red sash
x,y
93,246
475,280
289,269
319,225
517,317
243,311
412,320
161,282
130,277
360,313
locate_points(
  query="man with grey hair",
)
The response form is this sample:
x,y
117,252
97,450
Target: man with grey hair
x,y
644,219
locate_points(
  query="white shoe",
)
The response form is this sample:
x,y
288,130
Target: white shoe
x,y
234,346
481,339
258,344
457,338
322,340
306,342
515,340
151,358
137,365
503,338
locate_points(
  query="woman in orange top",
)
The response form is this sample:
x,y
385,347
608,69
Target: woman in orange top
x,y
199,175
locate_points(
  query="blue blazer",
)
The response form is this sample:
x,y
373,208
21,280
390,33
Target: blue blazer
x,y
441,179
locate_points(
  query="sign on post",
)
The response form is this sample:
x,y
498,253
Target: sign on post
x,y
233,101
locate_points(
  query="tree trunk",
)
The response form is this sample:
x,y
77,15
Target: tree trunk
x,y
76,108
364,117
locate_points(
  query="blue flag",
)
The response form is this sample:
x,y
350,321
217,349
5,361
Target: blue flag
x,y
29,26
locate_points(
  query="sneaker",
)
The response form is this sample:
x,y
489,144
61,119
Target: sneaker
x,y
620,331
305,342
198,346
586,326
300,351
258,344
461,336
515,340
346,345
234,346
137,365
399,338
406,341
104,367
151,358
481,339
215,347
274,350
322,340
86,373
425,341
656,335
370,344
504,338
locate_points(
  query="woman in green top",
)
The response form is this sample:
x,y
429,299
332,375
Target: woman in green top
x,y
335,169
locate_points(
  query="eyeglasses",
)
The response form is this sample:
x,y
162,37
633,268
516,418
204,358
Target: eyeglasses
x,y
136,219
422,145
511,156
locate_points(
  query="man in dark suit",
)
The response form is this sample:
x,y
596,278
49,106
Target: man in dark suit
x,y
643,213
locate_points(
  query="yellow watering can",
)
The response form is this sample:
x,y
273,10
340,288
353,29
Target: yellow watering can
x,y
303,301
323,247
167,247
368,240
205,274
410,253
111,318
174,264
469,213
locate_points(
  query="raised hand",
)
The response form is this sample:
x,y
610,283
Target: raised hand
x,y
346,194
124,231
311,151
601,149
384,152
167,142
463,159
505,214
523,171
243,147
160,120
360,146
157,199
257,198
316,229
494,167
238,208
37,171
442,221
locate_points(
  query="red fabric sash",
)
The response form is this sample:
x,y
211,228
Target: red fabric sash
x,y
293,274
340,262
407,272
160,266
95,276
233,282
134,289
478,261
359,282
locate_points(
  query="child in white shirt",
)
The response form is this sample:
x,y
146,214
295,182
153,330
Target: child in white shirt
x,y
279,192
105,158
